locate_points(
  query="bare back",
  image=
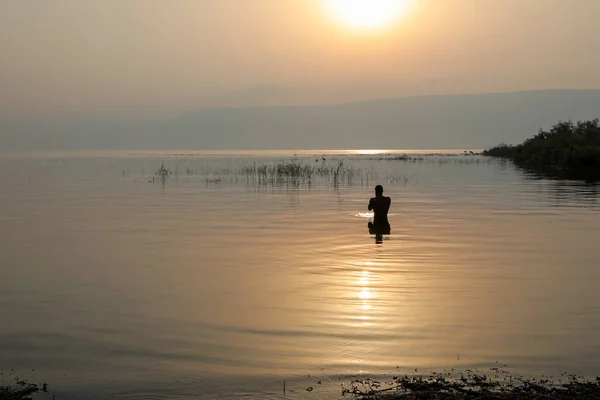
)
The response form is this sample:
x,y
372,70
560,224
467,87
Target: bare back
x,y
380,206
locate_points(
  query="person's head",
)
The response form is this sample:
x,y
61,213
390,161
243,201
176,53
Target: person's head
x,y
378,190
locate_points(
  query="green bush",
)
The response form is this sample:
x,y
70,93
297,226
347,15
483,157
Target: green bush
x,y
502,150
567,149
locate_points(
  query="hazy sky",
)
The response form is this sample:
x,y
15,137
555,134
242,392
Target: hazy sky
x,y
69,57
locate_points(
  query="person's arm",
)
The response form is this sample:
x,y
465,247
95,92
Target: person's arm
x,y
370,204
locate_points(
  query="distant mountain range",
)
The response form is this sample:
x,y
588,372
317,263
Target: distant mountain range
x,y
433,122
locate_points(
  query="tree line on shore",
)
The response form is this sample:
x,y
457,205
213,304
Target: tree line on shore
x,y
569,150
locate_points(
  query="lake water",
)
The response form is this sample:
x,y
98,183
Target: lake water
x,y
213,283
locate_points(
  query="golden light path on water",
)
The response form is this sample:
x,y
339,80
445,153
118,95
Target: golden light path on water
x,y
237,287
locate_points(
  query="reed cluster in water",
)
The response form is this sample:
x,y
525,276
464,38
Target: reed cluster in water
x,y
296,172
338,170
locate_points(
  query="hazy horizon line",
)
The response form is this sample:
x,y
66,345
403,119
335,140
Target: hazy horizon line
x,y
225,152
376,99
108,114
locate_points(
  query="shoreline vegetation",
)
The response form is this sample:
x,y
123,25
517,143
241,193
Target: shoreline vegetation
x,y
21,390
568,150
497,384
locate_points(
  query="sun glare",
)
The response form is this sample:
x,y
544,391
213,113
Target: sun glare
x,y
367,14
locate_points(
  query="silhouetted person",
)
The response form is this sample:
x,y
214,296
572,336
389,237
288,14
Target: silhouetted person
x,y
380,205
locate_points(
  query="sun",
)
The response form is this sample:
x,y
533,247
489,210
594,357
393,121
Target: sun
x,y
367,14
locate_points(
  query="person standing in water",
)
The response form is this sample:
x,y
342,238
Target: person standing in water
x,y
380,206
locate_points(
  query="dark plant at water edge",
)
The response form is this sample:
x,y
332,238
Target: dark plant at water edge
x,y
502,150
567,149
21,390
497,384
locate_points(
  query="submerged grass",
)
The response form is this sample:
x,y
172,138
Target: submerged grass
x,y
496,384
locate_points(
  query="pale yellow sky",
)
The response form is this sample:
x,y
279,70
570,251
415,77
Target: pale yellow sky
x,y
89,56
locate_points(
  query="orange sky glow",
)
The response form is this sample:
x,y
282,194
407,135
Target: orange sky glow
x,y
165,57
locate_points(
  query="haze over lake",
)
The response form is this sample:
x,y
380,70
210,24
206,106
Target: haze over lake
x,y
423,122
213,284
185,188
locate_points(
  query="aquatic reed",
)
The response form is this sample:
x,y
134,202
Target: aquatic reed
x,y
335,171
296,172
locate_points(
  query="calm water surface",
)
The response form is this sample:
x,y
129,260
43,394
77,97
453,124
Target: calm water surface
x,y
209,284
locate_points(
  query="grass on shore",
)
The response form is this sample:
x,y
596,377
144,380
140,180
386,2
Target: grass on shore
x,y
497,384
21,390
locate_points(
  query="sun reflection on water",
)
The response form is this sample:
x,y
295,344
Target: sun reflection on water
x,y
365,294
368,152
